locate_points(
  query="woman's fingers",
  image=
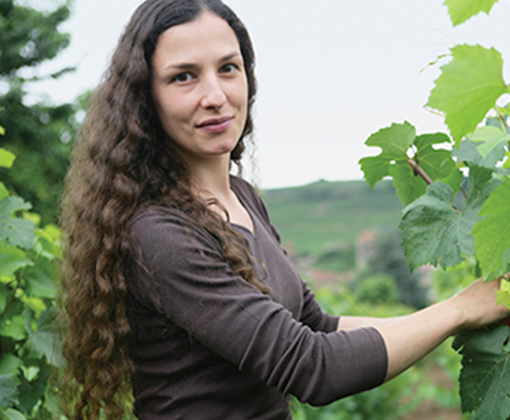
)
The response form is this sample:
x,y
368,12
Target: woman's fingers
x,y
478,304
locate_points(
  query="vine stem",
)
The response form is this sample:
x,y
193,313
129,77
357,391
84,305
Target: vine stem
x,y
419,171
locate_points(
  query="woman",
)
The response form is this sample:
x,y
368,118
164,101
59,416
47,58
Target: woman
x,y
175,281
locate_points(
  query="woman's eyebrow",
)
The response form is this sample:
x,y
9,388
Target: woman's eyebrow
x,y
187,66
231,56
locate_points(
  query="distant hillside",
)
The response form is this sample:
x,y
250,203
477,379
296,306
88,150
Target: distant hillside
x,y
314,218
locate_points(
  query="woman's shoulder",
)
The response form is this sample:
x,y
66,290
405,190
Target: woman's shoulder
x,y
246,191
239,184
159,225
155,214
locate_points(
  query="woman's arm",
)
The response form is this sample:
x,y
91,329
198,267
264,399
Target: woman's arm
x,y
408,338
346,323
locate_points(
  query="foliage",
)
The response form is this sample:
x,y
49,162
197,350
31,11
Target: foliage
x,y
400,144
448,218
388,258
435,231
468,87
378,288
462,10
29,258
39,133
485,372
493,233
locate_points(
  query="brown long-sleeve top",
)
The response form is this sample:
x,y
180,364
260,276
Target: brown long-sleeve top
x,y
208,345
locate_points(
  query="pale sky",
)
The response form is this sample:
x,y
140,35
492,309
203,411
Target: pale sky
x,y
330,72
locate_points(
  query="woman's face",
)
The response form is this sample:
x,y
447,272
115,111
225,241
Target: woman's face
x,y
199,87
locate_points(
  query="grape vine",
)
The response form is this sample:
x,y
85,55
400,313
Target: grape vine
x,y
29,258
456,197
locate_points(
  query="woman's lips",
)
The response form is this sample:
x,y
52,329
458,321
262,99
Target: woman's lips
x,y
215,125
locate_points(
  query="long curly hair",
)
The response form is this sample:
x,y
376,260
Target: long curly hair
x,y
124,161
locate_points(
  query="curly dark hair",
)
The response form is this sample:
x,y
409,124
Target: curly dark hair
x,y
124,161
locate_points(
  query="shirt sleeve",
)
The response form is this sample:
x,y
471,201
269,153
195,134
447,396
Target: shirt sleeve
x,y
314,316
198,291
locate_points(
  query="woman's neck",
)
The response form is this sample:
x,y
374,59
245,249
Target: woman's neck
x,y
211,178
211,182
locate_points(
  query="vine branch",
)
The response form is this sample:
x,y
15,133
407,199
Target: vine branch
x,y
419,171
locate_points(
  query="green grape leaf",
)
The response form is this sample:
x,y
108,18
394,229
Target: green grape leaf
x,y
11,205
468,152
506,164
12,414
47,243
454,180
500,121
14,327
30,393
9,364
485,372
394,141
4,294
427,229
44,341
491,138
407,185
503,296
492,234
462,10
11,260
436,163
468,87
41,285
3,191
9,389
399,144
434,232
6,158
19,232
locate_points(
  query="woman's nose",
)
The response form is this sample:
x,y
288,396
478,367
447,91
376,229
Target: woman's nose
x,y
213,94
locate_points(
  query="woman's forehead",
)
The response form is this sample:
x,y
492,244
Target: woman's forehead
x,y
206,32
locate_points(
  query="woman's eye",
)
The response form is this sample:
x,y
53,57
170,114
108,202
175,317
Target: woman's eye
x,y
228,68
183,77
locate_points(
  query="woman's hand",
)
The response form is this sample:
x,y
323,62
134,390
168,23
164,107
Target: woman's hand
x,y
477,305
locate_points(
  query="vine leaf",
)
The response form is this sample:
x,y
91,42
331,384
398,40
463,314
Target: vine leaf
x,y
468,87
44,341
492,234
9,381
19,232
11,260
3,191
436,233
394,141
462,10
6,158
399,143
485,372
491,138
468,152
9,389
12,414
504,293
